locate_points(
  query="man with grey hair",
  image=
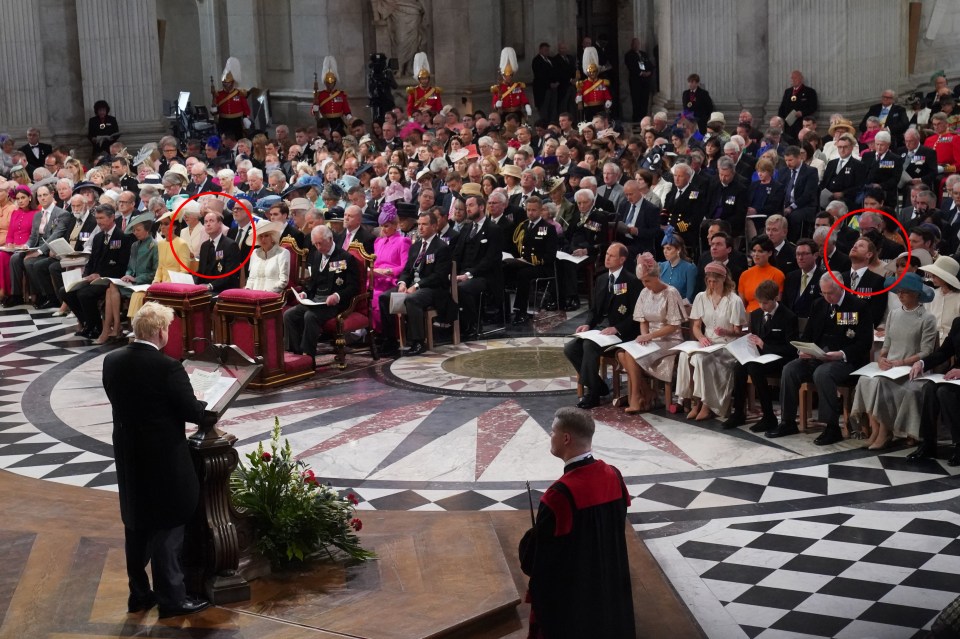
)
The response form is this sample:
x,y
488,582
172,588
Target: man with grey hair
x,y
255,187
685,207
892,116
371,214
200,181
884,168
277,182
611,189
844,175
334,282
729,201
599,202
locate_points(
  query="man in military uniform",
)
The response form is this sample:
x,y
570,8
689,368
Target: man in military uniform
x,y
423,97
799,100
230,103
537,242
331,104
685,206
594,92
509,96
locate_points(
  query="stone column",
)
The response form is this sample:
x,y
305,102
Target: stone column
x,y
211,14
23,100
473,32
120,63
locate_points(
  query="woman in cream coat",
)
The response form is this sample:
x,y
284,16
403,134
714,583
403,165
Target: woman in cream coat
x,y
270,263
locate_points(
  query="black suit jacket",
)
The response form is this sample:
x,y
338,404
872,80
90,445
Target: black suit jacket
x,y
767,199
800,302
729,203
69,221
923,165
777,333
450,237
689,208
616,307
371,214
433,269
543,75
870,282
829,331
219,262
805,190
339,275
109,259
152,401
745,166
786,258
949,349
34,162
897,121
586,234
482,255
885,173
701,104
736,264
208,186
849,181
804,100
647,223
839,262
363,235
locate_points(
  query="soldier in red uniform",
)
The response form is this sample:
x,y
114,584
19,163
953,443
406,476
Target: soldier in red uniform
x,y
423,97
594,92
510,96
331,103
230,103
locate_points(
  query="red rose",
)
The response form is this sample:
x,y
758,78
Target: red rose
x,y
356,524
266,456
353,499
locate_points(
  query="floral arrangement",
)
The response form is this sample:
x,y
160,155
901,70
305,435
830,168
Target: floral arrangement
x,y
295,516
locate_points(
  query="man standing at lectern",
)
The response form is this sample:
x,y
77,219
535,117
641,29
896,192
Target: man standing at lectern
x,y
157,483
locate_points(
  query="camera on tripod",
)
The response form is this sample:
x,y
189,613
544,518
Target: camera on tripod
x,y
381,83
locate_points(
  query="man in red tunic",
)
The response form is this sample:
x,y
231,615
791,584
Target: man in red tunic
x,y
423,97
576,552
331,103
510,96
230,103
594,92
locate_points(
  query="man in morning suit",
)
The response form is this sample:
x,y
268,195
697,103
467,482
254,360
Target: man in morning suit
x,y
152,401
802,285
479,257
784,251
893,117
614,297
35,150
109,258
940,401
798,99
844,176
638,226
800,193
333,284
219,255
772,327
426,281
538,250
354,230
839,325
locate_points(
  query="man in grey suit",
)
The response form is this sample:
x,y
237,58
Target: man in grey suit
x,y
47,226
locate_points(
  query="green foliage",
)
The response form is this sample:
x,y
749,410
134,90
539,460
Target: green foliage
x,y
296,517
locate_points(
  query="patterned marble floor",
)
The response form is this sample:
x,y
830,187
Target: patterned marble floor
x,y
768,538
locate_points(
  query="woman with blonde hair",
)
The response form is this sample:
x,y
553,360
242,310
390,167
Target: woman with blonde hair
x,y
718,316
660,312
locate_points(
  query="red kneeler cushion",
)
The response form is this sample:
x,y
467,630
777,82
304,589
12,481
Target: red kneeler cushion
x,y
245,295
170,288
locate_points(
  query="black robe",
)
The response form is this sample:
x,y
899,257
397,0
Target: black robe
x,y
576,556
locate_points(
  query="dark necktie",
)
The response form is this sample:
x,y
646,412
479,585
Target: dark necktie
x,y
423,251
766,318
793,182
833,310
854,280
632,216
610,284
473,230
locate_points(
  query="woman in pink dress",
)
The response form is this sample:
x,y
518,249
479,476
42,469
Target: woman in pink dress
x,y
18,232
391,250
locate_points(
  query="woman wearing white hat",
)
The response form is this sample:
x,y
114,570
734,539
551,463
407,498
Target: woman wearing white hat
x,y
270,262
946,298
192,233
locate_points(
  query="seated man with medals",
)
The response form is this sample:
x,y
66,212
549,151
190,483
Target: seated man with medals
x,y
426,282
219,255
536,244
840,334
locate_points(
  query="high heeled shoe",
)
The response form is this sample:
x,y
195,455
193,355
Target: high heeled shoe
x,y
704,414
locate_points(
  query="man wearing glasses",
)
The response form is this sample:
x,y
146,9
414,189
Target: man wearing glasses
x,y
844,176
126,208
893,117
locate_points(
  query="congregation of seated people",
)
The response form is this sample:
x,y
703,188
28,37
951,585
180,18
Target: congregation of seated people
x,y
693,230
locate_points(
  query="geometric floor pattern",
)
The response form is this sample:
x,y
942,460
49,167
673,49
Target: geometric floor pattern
x,y
761,538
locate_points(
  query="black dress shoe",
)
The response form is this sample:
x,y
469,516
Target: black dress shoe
x,y
416,348
923,452
550,305
572,304
586,402
765,424
520,318
734,420
12,300
830,435
186,607
141,604
91,333
954,460
782,430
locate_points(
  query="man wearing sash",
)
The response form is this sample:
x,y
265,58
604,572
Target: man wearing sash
x,y
230,103
331,104
423,97
594,92
509,96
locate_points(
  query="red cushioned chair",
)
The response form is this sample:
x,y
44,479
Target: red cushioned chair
x,y
253,321
357,315
191,307
298,268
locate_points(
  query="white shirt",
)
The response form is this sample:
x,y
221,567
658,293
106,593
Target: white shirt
x,y
143,341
